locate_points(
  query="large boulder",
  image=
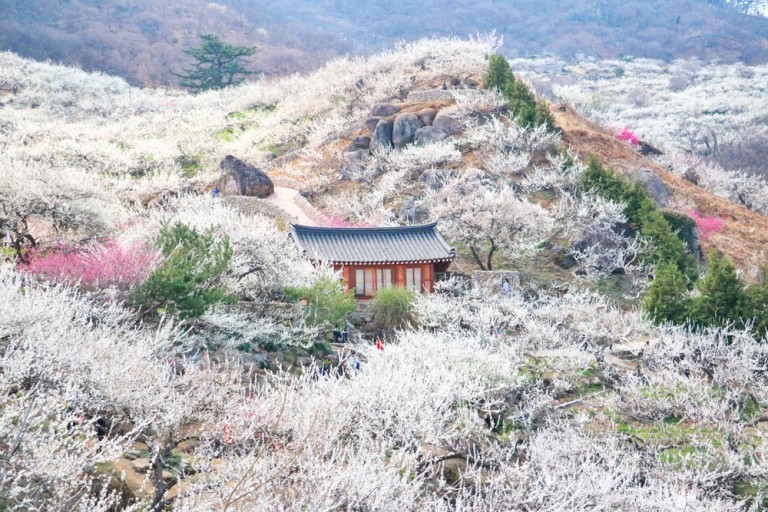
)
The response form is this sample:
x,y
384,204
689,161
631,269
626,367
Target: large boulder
x,y
404,129
355,160
385,109
371,122
427,116
382,136
652,184
449,122
429,135
362,142
242,179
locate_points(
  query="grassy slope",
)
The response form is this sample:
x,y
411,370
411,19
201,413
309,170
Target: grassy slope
x,y
745,235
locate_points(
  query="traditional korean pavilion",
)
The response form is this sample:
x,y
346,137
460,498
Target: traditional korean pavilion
x,y
375,258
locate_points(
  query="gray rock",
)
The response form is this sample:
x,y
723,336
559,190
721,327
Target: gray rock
x,y
404,129
140,465
412,212
652,184
385,109
382,136
242,179
355,160
434,179
362,142
427,115
448,122
429,135
371,122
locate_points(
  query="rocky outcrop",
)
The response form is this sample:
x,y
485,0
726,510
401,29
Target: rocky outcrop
x,y
382,136
371,122
427,116
448,121
385,109
429,135
355,160
242,179
652,184
404,129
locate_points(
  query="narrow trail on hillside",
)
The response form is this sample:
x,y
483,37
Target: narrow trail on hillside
x,y
284,198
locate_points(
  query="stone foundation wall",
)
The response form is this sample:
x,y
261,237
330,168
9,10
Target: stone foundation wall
x,y
254,205
489,282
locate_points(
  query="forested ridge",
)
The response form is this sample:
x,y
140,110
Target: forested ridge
x,y
144,41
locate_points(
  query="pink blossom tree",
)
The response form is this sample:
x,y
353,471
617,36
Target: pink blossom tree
x,y
626,134
95,266
707,226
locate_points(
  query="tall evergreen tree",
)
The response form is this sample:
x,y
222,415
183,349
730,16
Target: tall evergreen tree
x,y
499,73
667,299
722,294
217,64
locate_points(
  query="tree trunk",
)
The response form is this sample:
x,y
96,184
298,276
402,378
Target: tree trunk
x,y
476,257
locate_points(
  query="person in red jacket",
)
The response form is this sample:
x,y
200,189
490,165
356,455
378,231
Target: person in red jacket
x,y
379,344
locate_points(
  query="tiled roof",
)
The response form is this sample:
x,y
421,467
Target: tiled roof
x,y
408,244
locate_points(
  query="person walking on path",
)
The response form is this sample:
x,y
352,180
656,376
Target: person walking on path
x,y
215,192
505,288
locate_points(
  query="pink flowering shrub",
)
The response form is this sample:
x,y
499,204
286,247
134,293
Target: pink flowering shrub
x,y
707,226
627,135
95,266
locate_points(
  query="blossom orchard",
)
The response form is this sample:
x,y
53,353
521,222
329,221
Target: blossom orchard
x,y
102,265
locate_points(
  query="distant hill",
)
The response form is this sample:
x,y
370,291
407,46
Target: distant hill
x,y
144,41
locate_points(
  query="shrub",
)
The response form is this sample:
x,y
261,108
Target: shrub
x,y
123,266
392,307
707,226
627,135
183,283
327,301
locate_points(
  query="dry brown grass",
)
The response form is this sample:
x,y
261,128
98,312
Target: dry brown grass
x,y
744,238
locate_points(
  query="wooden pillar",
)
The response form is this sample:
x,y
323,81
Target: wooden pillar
x,y
429,279
349,274
400,276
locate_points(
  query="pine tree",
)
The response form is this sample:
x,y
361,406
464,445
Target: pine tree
x,y
667,298
218,63
722,297
499,73
184,282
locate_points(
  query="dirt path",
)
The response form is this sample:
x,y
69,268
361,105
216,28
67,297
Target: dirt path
x,y
283,198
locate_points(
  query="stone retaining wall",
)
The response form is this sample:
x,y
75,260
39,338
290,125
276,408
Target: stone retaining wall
x,y
255,206
430,95
490,282
310,211
282,181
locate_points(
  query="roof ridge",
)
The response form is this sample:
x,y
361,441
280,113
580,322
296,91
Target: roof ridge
x,y
373,229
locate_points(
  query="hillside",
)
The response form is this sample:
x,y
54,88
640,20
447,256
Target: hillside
x,y
144,41
162,348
